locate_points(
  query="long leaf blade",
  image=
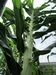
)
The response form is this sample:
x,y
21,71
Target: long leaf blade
x,y
19,24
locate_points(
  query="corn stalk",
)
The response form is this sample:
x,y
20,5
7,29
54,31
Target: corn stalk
x,y
27,61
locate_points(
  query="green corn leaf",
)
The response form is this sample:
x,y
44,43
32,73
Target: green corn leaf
x,y
46,12
19,24
28,10
3,42
36,25
9,11
13,66
41,52
50,29
30,3
17,3
36,10
38,34
8,15
49,19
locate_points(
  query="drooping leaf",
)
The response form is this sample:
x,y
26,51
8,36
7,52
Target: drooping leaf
x,y
43,20
5,48
13,66
39,16
3,42
37,53
40,52
50,29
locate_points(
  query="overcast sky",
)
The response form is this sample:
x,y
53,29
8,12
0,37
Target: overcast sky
x,y
38,44
36,3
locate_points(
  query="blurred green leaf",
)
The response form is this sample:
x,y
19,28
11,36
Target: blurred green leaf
x,y
8,16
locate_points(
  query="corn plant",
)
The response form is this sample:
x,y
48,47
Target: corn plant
x,y
17,35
